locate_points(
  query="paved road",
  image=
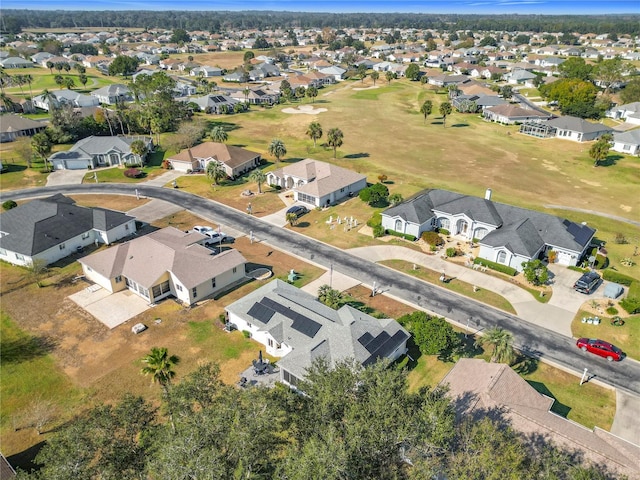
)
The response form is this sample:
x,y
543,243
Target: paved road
x,y
538,342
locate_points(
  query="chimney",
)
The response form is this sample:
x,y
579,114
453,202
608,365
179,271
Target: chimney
x,y
487,194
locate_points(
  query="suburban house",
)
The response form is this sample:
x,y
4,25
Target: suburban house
x,y
629,112
627,142
507,235
52,228
297,328
520,77
167,262
334,71
93,152
317,183
206,71
14,126
15,62
446,80
214,103
112,94
480,389
65,97
235,160
510,114
577,129
463,102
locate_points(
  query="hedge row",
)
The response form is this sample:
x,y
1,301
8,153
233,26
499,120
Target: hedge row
x,y
498,267
617,277
406,236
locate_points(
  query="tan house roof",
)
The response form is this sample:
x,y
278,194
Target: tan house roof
x,y
229,155
320,178
146,259
477,386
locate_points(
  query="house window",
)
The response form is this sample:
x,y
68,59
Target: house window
x,y
502,257
62,246
194,292
19,257
626,147
118,279
235,269
398,226
289,378
270,342
213,282
249,325
126,226
444,223
179,287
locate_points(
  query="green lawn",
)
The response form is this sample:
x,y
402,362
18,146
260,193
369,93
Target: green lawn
x,y
29,375
455,285
626,337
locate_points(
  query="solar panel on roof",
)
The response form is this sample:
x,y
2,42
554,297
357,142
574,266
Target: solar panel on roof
x,y
388,346
300,323
365,339
374,344
261,312
581,233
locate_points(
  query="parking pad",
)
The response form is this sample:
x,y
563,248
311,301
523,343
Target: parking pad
x,y
111,309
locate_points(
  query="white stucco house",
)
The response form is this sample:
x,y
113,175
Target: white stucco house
x,y
65,97
627,142
167,262
507,235
629,112
317,183
294,326
52,228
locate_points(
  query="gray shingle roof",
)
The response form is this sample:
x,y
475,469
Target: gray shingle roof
x,y
576,124
511,229
335,337
41,224
16,123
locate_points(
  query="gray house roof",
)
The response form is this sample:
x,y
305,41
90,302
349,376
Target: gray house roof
x,y
576,124
631,137
16,123
36,226
88,147
522,231
314,330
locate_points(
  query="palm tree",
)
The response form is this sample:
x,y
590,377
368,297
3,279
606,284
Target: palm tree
x,y
50,66
600,149
312,92
445,109
389,75
259,177
219,134
69,83
83,79
334,139
314,131
59,80
159,364
375,76
41,145
426,108
7,102
292,218
49,98
501,342
215,171
29,80
424,80
330,297
277,149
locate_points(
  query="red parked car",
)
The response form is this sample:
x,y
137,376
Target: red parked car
x,y
600,347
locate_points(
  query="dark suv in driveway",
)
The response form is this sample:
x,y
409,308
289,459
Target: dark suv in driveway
x,y
298,210
587,283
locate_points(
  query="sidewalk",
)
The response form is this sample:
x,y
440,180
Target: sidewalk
x,y
552,316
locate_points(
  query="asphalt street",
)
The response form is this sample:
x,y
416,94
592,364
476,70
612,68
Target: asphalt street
x,y
536,341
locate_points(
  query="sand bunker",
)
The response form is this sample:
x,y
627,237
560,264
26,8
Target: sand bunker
x,y
366,88
308,109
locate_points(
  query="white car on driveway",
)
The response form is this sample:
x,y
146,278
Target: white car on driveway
x,y
214,235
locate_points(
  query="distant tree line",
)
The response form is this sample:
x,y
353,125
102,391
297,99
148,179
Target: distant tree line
x,y
14,21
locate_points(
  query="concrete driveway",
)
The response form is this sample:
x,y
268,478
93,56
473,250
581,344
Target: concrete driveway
x,y
111,309
65,177
154,210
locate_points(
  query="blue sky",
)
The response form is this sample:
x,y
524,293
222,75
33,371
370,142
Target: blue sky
x,y
580,7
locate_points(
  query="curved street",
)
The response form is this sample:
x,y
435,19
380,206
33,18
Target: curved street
x,y
537,341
